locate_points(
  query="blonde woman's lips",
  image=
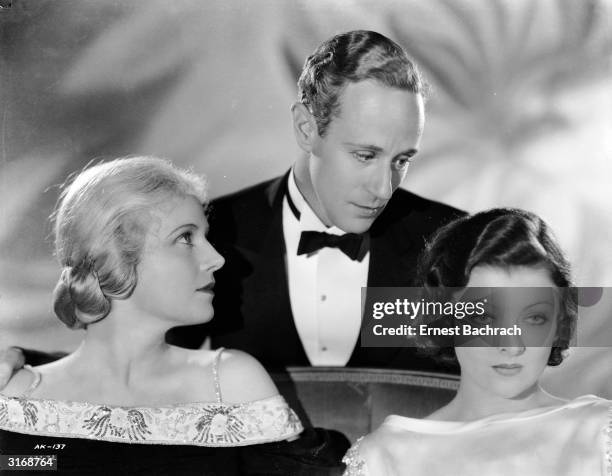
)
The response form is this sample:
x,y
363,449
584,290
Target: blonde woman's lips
x,y
207,288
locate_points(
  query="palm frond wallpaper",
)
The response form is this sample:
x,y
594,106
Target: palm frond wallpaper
x,y
520,114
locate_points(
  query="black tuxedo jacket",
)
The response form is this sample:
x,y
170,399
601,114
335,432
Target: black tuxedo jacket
x,y
252,307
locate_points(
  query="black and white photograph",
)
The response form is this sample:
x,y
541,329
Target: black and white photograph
x,y
223,225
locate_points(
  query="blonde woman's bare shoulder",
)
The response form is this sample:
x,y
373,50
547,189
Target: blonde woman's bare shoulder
x,y
243,378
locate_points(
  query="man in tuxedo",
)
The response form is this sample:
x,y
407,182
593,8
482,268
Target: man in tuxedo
x,y
300,247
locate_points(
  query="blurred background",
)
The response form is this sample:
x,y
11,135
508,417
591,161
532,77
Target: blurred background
x,y
520,115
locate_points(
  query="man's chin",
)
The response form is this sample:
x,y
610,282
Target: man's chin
x,y
356,225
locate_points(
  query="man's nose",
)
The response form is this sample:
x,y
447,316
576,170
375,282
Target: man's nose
x,y
380,183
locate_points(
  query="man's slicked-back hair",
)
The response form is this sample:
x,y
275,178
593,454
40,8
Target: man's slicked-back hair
x,y
351,57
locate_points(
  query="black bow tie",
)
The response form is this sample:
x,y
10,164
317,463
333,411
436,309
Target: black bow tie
x,y
351,244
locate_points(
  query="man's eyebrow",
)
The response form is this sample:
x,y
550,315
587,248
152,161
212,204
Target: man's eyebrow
x,y
372,147
376,148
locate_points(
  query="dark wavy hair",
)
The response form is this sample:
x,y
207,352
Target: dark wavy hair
x,y
502,237
349,58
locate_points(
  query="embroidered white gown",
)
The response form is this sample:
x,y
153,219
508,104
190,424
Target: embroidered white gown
x,y
574,439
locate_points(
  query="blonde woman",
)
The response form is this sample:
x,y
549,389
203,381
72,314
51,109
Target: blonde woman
x,y
130,236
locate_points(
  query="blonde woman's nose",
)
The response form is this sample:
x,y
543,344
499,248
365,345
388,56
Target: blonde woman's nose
x,y
211,259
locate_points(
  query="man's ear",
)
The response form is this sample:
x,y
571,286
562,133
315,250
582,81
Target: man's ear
x,y
304,126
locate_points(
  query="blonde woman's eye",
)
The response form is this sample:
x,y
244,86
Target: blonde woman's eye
x,y
186,238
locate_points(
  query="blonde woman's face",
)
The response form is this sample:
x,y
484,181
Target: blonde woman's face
x,y
511,366
175,273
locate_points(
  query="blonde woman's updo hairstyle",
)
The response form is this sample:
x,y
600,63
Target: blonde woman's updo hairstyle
x,y
100,224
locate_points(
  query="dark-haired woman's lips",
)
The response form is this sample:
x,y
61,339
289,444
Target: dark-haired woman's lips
x,y
508,370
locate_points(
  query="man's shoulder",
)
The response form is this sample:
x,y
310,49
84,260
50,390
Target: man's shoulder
x,y
246,213
409,211
404,201
261,191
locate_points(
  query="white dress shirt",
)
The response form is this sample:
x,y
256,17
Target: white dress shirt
x,y
324,287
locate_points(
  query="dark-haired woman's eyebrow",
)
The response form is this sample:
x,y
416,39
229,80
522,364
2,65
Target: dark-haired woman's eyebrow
x,y
548,303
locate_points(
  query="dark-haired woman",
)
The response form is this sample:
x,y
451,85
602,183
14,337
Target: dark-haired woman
x,y
501,422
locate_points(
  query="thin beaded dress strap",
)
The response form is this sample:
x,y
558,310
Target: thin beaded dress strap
x,y
608,443
37,378
216,374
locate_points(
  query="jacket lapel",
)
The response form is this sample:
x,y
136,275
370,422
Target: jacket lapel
x,y
272,285
391,249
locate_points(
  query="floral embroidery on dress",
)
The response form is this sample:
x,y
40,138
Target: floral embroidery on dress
x,y
17,413
202,424
220,424
355,465
117,422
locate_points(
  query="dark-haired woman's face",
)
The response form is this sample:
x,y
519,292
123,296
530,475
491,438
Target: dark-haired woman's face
x,y
510,366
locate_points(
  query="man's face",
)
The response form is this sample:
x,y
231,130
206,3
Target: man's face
x,y
364,156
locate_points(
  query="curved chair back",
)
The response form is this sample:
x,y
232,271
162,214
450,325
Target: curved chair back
x,y
356,400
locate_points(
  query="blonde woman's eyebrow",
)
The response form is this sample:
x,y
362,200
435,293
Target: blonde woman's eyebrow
x,y
185,226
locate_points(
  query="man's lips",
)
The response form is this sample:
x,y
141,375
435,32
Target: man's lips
x,y
369,210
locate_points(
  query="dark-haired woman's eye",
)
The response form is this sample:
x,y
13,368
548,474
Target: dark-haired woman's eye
x,y
186,238
536,319
483,319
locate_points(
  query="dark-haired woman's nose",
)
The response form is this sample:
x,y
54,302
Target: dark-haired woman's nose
x,y
512,351
511,345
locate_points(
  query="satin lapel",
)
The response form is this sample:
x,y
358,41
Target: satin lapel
x,y
272,286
